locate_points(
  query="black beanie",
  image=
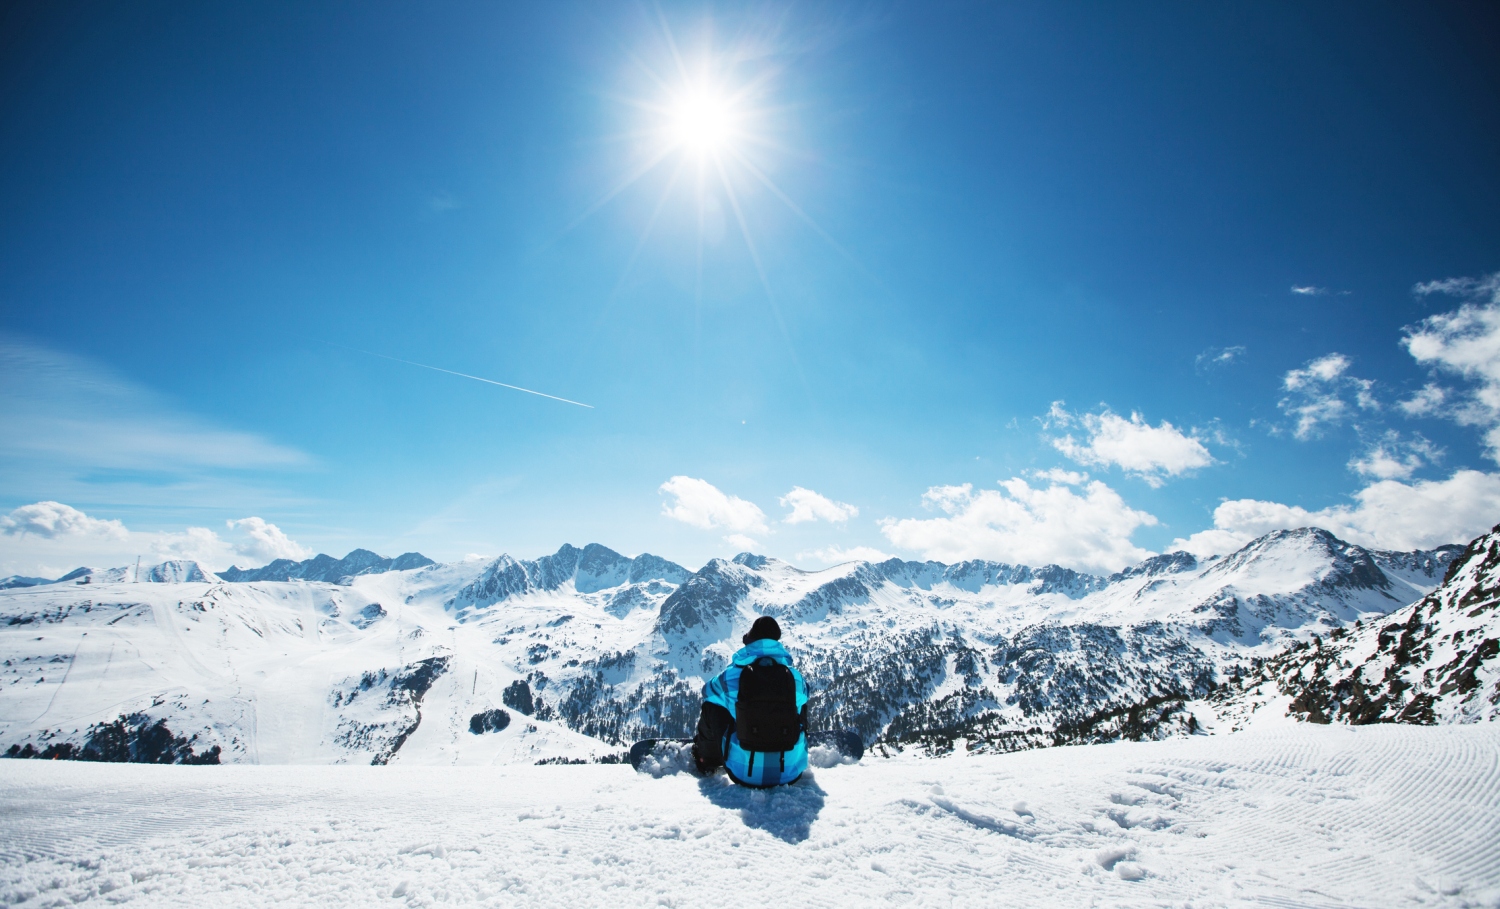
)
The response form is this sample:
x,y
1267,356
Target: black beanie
x,y
764,627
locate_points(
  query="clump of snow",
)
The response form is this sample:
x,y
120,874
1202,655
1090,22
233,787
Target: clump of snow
x,y
824,756
668,758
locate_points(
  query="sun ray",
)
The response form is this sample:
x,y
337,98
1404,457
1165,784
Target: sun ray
x,y
666,30
623,185
640,245
765,281
797,209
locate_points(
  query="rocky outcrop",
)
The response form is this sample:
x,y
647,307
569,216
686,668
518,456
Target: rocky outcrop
x,y
1435,661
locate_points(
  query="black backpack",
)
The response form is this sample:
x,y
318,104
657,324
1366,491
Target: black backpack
x,y
766,711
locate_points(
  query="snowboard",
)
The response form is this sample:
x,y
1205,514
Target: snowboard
x,y
656,756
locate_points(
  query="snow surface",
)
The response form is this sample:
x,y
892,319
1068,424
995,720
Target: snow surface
x,y
1279,815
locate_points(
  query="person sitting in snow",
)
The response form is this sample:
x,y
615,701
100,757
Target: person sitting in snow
x,y
754,717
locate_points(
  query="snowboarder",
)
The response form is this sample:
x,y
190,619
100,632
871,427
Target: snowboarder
x,y
754,717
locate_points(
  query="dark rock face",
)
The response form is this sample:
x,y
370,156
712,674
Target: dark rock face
x,y
327,568
1431,564
829,599
489,721
368,616
400,694
133,739
1069,583
1167,563
590,569
706,602
1433,661
647,567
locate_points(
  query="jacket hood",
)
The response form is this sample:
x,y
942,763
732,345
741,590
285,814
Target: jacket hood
x,y
757,649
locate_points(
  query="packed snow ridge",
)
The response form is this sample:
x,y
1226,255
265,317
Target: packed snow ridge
x,y
573,655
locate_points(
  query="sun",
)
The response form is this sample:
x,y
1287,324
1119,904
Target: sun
x,y
702,121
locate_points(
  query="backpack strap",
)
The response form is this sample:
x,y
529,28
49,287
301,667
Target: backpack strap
x,y
750,764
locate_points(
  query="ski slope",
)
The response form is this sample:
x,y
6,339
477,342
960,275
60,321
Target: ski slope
x,y
1279,815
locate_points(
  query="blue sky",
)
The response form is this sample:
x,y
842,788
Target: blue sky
x,y
934,245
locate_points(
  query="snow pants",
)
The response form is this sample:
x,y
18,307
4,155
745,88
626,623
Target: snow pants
x,y
714,723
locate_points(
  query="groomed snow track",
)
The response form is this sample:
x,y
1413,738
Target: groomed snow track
x,y
1306,816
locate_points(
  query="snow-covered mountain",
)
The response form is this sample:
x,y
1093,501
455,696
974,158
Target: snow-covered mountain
x,y
326,568
575,654
18,580
1435,661
318,568
177,571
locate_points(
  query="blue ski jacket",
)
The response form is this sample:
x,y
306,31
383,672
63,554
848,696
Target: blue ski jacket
x,y
757,768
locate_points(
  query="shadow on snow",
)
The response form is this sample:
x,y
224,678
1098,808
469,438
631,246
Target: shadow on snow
x,y
785,812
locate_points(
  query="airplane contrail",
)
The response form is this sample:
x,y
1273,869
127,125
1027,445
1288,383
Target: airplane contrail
x,y
540,394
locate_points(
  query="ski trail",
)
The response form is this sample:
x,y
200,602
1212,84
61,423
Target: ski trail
x,y
72,661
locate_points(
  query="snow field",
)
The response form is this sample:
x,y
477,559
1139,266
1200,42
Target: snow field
x,y
1285,816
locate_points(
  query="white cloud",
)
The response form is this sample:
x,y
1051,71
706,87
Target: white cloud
x,y
1388,514
1323,369
741,542
1152,453
1487,286
1058,475
807,505
76,430
1317,394
836,555
48,539
1218,356
1429,400
1308,290
1394,458
1464,342
1020,524
266,542
72,411
700,504
50,520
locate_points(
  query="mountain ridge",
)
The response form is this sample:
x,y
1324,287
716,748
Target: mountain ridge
x,y
1435,660
323,567
594,649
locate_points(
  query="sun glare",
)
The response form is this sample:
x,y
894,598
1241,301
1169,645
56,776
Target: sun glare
x,y
702,121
